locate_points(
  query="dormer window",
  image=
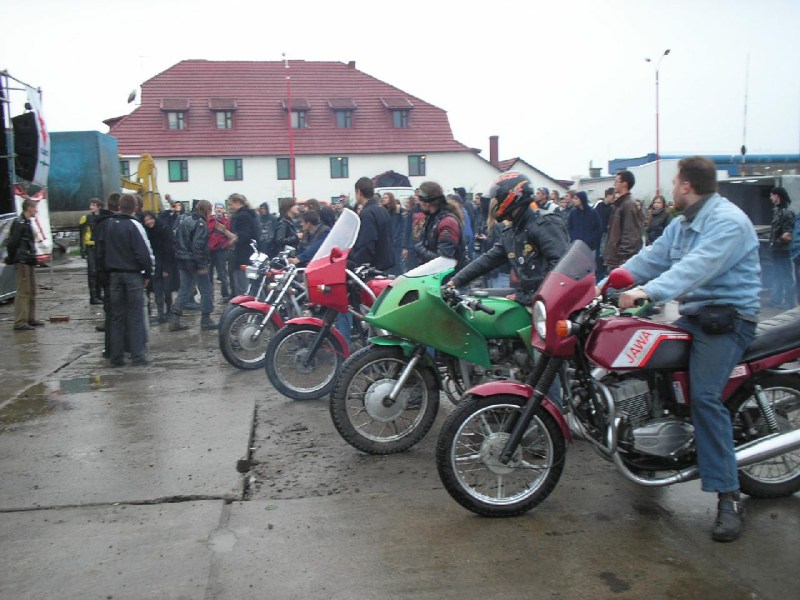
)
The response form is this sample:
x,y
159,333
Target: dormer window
x,y
176,119
343,110
300,107
223,109
176,110
400,108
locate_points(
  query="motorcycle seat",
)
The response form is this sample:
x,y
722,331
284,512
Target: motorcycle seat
x,y
775,335
492,292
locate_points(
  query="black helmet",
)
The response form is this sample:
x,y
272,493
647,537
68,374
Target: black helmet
x,y
511,190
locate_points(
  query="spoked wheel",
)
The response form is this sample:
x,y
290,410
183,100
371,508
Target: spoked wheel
x,y
364,414
778,476
468,451
287,351
238,339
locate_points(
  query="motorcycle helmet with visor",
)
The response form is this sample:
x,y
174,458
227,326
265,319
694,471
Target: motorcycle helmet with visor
x,y
511,190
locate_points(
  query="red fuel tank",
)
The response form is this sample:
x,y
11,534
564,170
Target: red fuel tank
x,y
626,343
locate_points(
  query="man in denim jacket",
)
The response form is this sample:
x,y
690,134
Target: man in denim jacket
x,y
706,256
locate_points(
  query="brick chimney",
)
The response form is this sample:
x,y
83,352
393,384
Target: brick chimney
x,y
494,150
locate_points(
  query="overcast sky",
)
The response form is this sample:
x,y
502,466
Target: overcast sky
x,y
562,82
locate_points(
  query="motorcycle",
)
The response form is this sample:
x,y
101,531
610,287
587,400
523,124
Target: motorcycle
x,y
386,397
307,353
502,450
245,330
256,285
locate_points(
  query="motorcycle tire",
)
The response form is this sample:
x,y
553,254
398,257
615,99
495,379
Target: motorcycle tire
x,y
359,407
467,457
286,351
780,476
236,331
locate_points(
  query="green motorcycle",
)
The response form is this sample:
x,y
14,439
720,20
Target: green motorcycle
x,y
386,396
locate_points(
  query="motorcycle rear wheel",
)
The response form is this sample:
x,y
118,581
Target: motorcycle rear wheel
x,y
468,449
286,351
236,338
780,476
359,404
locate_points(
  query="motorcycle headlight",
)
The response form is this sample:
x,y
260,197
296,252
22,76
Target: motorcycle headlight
x,y
251,272
540,319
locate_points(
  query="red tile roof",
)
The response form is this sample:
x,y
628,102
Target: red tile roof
x,y
260,94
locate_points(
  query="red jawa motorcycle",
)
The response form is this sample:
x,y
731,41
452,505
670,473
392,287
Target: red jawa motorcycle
x,y
502,450
305,356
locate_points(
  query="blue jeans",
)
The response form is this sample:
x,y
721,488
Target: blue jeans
x,y
219,263
711,361
189,278
127,316
782,281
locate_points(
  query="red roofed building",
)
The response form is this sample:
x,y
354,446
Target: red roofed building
x,y
215,128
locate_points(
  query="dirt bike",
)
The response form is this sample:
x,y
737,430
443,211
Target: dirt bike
x,y
245,330
502,450
387,395
307,353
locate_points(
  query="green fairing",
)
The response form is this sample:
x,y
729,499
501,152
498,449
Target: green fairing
x,y
412,308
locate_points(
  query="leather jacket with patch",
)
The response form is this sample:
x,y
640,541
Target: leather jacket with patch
x,y
533,245
441,236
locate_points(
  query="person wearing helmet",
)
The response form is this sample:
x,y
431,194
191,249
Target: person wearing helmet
x,y
532,241
442,234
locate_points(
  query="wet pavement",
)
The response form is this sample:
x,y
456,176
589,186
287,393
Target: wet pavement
x,y
123,483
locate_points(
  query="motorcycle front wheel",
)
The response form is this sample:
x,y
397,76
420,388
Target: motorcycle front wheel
x,y
287,351
238,341
362,411
780,476
468,450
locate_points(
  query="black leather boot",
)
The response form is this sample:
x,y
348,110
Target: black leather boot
x,y
730,518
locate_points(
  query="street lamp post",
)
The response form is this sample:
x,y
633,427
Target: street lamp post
x,y
658,153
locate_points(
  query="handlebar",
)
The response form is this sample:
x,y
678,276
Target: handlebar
x,y
451,294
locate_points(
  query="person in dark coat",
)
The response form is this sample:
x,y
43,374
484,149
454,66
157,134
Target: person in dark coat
x,y
392,206
164,253
373,245
192,256
244,231
657,219
22,254
583,223
414,221
129,261
780,238
286,232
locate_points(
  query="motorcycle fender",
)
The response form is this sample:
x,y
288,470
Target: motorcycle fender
x,y
407,348
241,299
496,388
263,307
316,322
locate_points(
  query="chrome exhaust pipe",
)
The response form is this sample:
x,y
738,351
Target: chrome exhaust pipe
x,y
768,447
754,452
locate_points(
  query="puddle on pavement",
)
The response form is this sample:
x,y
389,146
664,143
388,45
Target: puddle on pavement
x,y
42,398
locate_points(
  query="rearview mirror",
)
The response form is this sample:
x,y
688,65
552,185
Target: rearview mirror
x,y
619,279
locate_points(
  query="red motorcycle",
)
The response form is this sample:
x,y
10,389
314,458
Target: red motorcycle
x,y
501,452
307,353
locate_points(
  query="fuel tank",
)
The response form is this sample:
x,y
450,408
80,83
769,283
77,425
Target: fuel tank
x,y
627,343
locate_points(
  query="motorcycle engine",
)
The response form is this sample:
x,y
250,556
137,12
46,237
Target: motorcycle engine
x,y
642,429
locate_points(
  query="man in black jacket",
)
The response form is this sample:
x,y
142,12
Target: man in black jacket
x,y
192,255
534,241
374,243
129,262
22,254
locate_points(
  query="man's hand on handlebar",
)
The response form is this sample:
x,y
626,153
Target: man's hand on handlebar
x,y
630,298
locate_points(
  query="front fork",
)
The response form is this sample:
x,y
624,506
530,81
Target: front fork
x,y
327,322
542,377
404,375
